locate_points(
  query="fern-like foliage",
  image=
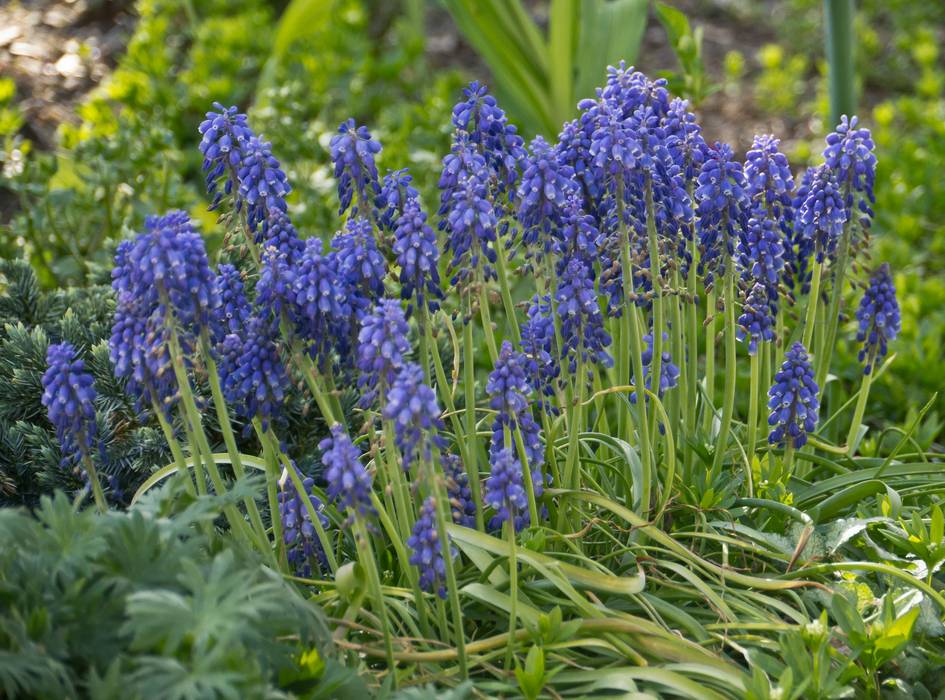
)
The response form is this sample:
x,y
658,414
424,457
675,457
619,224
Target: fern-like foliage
x,y
147,598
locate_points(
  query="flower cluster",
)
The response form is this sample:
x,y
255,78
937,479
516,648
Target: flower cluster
x,y
418,257
822,214
462,506
298,532
254,377
396,194
543,194
359,260
426,553
793,400
723,208
669,372
756,321
415,413
349,483
353,151
165,290
582,324
224,134
322,308
69,398
539,345
505,492
878,318
509,389
383,346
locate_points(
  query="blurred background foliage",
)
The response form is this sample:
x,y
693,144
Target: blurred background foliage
x,y
301,67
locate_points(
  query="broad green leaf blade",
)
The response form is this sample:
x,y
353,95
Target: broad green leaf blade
x,y
562,54
608,583
164,472
610,31
519,66
301,18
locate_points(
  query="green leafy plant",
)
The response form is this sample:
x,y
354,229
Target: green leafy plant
x,y
541,76
144,604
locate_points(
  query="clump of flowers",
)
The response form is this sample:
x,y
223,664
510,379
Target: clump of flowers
x,y
69,398
793,400
878,318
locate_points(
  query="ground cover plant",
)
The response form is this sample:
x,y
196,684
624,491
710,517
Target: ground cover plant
x,y
588,455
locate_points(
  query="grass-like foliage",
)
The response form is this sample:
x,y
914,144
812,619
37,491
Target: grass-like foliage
x,y
591,451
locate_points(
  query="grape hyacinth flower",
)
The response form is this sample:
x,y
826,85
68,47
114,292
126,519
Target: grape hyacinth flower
x,y
471,224
462,505
396,194
263,184
275,288
69,398
878,318
849,154
508,386
359,260
614,145
426,553
418,258
322,302
349,483
582,324
234,308
543,195
253,375
793,400
480,116
723,209
383,347
278,232
768,176
756,322
669,372
761,251
352,152
413,409
684,139
298,533
166,270
162,280
509,389
539,345
822,214
504,491
224,135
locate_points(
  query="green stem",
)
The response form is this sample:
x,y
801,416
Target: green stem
x,y
179,459
859,410
368,561
656,361
469,388
272,483
526,475
833,314
728,398
486,316
575,410
510,315
839,18
711,310
813,300
452,590
513,593
226,428
97,492
753,391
